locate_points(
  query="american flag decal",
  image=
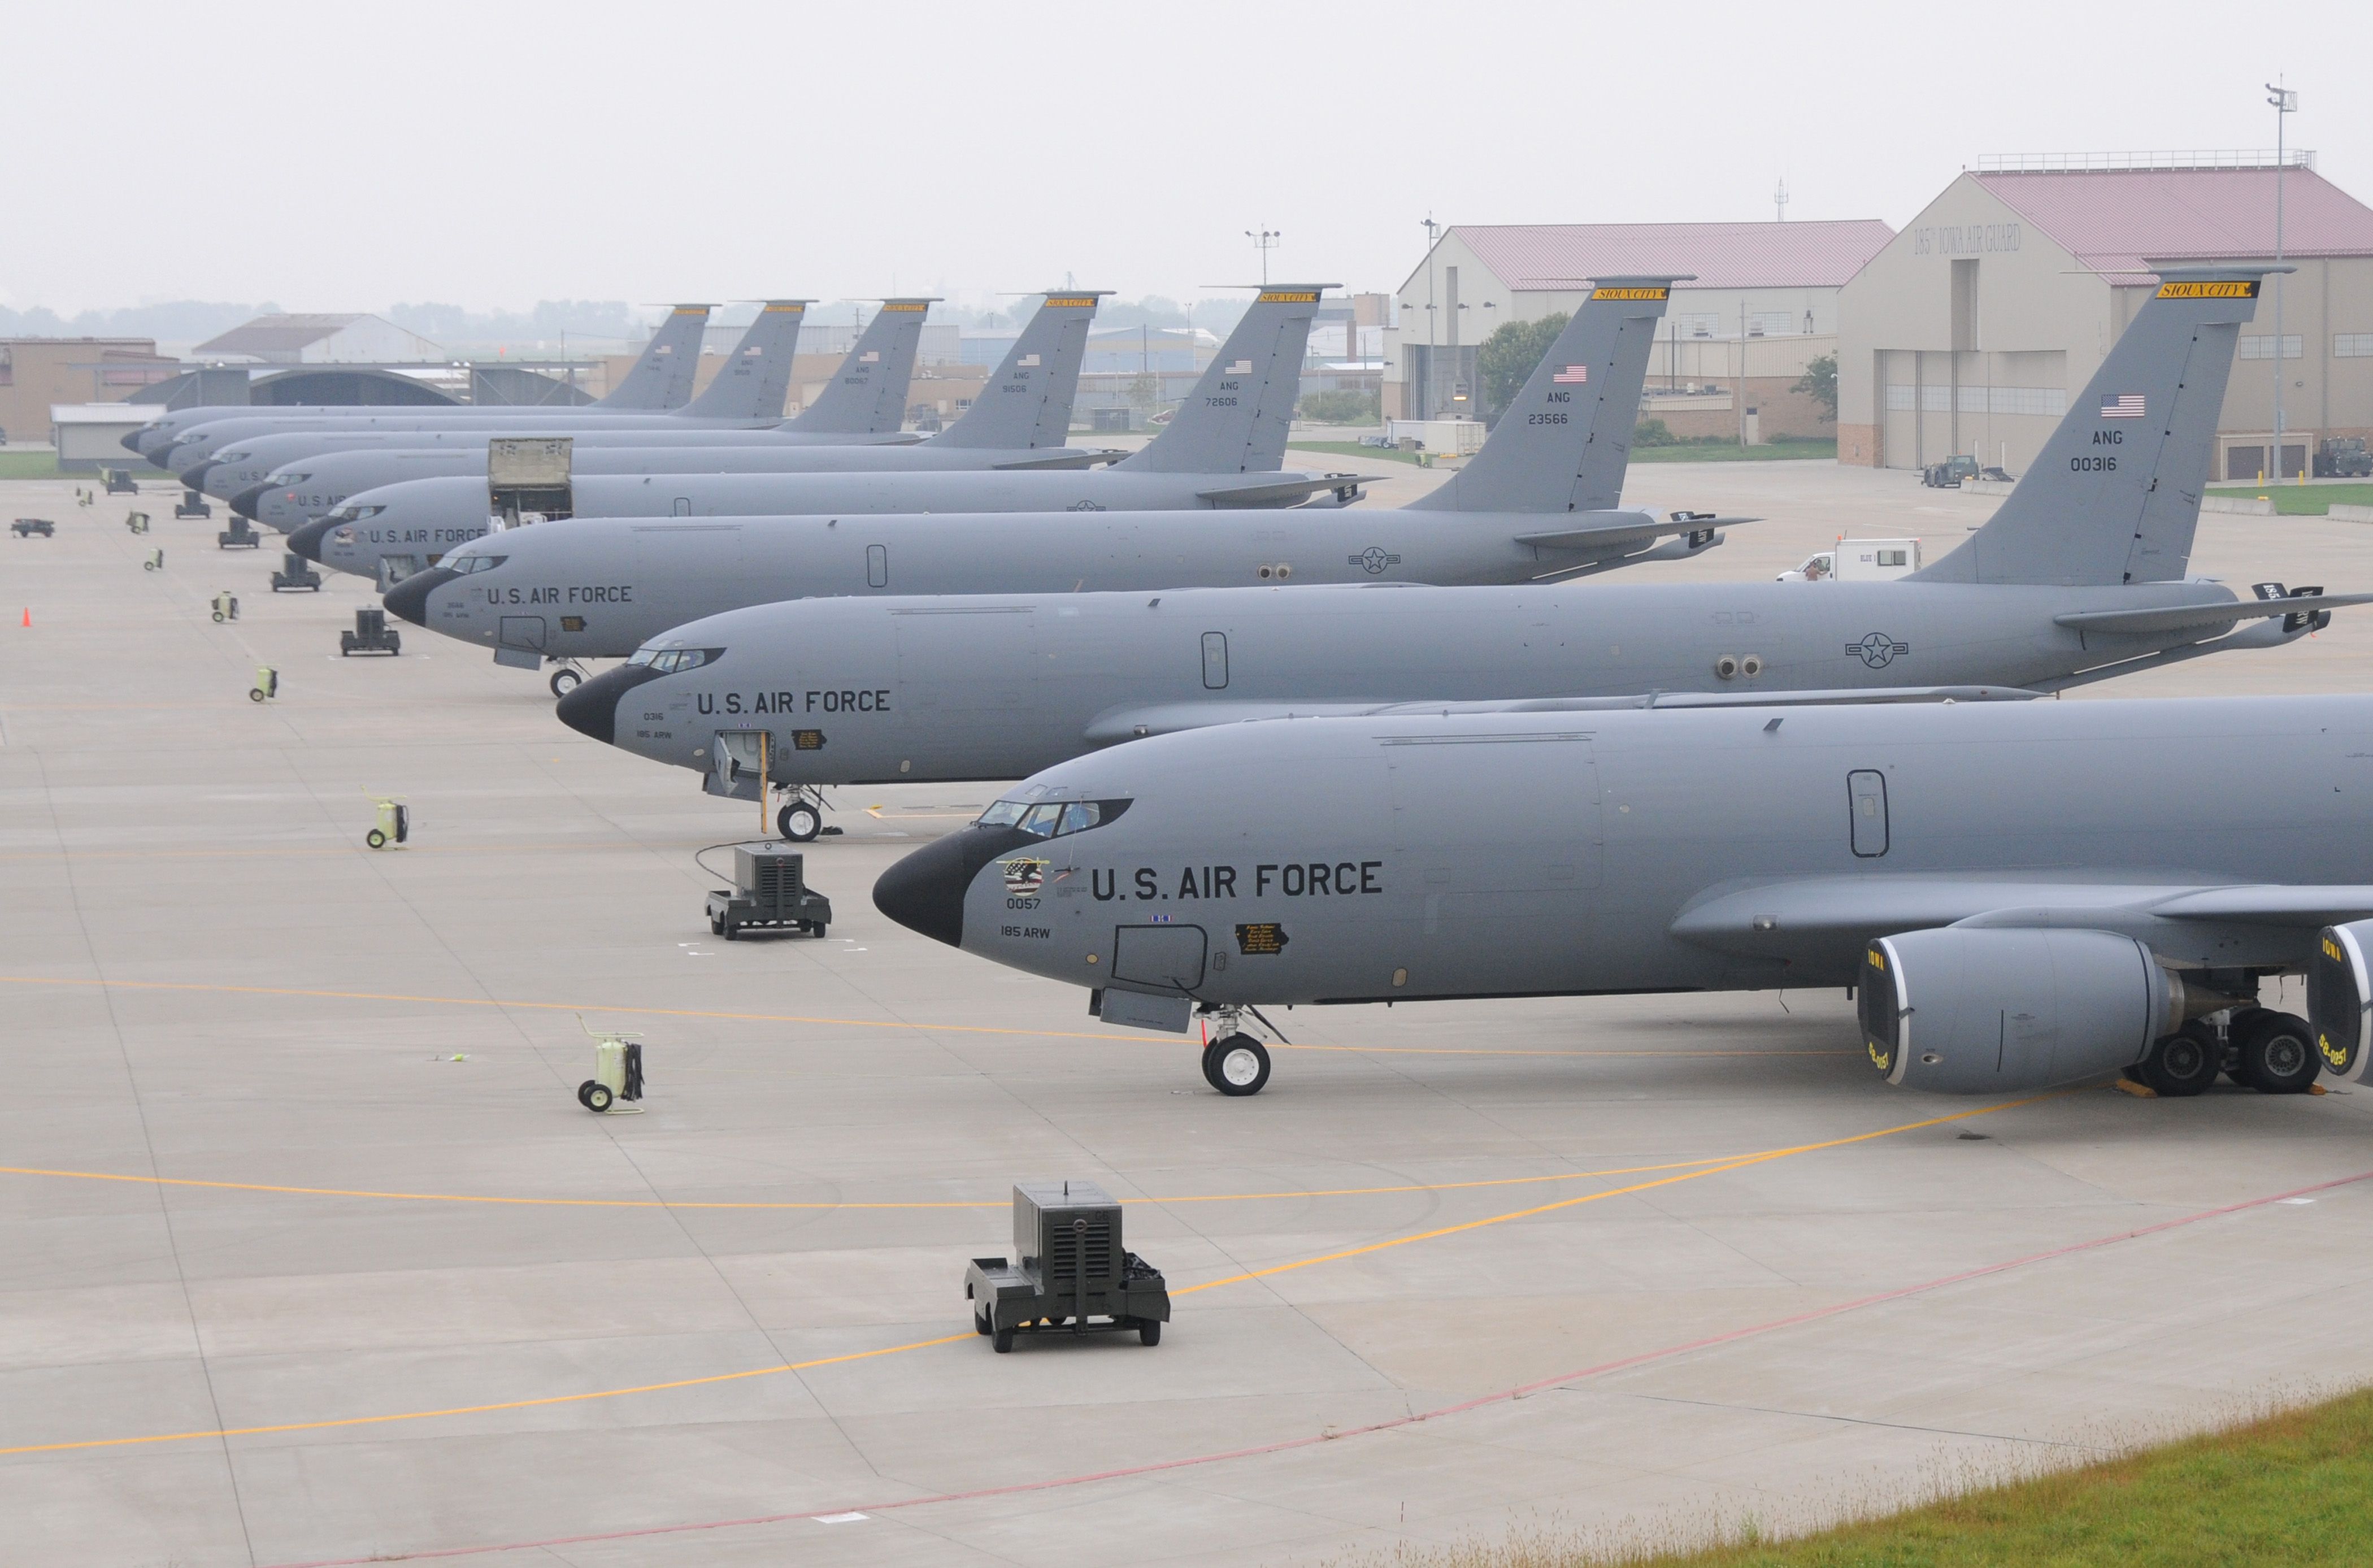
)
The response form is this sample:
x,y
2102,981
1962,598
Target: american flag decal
x,y
1573,375
1241,367
870,356
2121,405
1027,362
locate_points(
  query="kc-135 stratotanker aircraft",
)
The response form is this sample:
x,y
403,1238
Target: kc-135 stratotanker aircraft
x,y
1020,419
873,380
660,379
2020,895
749,387
1223,448
2079,576
1540,501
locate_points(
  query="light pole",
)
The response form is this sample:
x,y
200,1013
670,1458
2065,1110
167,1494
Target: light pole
x,y
1425,408
1264,240
2285,102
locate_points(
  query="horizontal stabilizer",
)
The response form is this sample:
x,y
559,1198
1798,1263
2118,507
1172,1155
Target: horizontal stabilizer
x,y
1060,457
2183,617
1284,487
1596,531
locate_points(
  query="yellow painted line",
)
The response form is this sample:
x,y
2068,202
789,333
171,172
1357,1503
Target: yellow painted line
x,y
1739,1162
392,1197
271,851
574,1007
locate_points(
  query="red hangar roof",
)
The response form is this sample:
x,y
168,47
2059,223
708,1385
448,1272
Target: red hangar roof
x,y
1538,256
2112,220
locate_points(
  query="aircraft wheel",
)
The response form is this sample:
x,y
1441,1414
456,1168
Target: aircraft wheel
x,y
1236,1065
1149,1331
1003,1343
565,681
2278,1055
598,1097
800,822
2183,1064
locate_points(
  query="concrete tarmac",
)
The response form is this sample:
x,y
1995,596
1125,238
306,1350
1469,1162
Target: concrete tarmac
x,y
308,1254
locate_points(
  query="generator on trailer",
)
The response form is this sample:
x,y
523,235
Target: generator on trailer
x,y
1072,1274
770,891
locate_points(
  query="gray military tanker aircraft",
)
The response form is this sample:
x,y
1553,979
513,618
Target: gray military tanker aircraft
x,y
2022,894
660,379
1223,448
870,404
2079,577
1020,420
749,386
1540,501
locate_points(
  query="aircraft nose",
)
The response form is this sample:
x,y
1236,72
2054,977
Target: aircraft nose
x,y
592,708
195,476
249,502
925,892
132,442
307,540
409,598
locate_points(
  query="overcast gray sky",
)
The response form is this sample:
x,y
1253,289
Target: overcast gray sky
x,y
346,156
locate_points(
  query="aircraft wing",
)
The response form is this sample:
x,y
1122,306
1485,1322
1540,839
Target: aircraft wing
x,y
1826,918
1119,724
2183,617
1286,487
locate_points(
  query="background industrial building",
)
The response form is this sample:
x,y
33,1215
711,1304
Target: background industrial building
x,y
1970,332
1762,303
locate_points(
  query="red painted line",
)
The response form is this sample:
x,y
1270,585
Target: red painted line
x,y
1503,1396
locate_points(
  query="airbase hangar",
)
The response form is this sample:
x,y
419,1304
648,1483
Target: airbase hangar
x,y
1551,984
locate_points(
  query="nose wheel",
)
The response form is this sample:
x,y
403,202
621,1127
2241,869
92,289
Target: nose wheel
x,y
566,679
1236,1065
799,821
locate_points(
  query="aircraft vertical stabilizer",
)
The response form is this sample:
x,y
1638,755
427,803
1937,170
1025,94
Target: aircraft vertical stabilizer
x,y
753,383
1236,419
868,395
1027,403
661,379
1564,443
2114,494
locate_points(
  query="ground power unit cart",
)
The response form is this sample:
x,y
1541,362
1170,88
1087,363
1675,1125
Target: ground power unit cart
x,y
1072,1277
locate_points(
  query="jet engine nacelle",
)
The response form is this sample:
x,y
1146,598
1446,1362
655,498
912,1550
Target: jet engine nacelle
x,y
1984,1010
2340,999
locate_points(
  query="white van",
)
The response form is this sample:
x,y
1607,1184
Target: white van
x,y
1860,560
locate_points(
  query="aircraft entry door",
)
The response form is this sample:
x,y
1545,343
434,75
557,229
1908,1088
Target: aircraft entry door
x,y
738,759
518,640
1866,800
1166,957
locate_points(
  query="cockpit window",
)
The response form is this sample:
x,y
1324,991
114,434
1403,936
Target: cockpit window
x,y
669,661
294,478
463,566
1051,819
354,513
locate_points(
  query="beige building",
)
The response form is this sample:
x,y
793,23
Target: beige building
x,y
37,371
1971,331
1762,303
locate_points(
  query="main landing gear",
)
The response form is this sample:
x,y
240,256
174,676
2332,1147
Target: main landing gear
x,y
2258,1049
1234,1063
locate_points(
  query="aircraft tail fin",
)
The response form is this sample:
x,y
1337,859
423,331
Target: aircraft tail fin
x,y
2114,494
1027,403
661,379
753,383
1235,420
1564,443
868,395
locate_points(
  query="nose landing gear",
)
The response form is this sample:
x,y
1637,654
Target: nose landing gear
x,y
566,678
802,818
1235,1063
